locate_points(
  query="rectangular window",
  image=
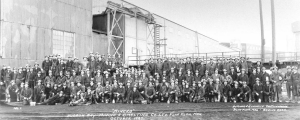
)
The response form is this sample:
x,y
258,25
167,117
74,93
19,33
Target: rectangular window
x,y
63,43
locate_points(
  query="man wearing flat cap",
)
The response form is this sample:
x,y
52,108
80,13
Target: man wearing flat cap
x,y
295,78
276,83
289,84
210,66
8,76
46,65
243,77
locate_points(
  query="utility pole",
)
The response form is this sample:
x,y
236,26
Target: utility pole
x,y
262,33
273,34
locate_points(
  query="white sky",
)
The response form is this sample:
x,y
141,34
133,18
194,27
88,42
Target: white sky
x,y
227,20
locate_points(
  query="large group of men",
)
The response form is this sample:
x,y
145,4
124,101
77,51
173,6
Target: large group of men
x,y
104,79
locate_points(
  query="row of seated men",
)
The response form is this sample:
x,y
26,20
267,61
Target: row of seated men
x,y
135,92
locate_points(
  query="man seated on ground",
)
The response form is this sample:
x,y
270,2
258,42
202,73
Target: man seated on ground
x,y
193,92
54,91
88,97
186,91
141,89
72,90
99,93
26,94
164,90
246,93
268,91
53,100
199,96
107,92
128,92
114,91
66,94
120,93
173,93
136,97
257,91
217,91
78,99
157,89
209,91
12,92
226,92
150,93
80,87
47,91
2,91
39,90
236,93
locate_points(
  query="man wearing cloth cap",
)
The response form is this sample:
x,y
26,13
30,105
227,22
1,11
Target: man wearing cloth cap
x,y
210,67
20,77
189,64
146,67
166,65
152,66
36,68
39,90
197,65
159,65
26,94
244,65
264,75
8,75
69,64
295,78
76,66
243,77
46,65
219,66
274,77
288,80
252,78
257,91
173,63
2,73
227,64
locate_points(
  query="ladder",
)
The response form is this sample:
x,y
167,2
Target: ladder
x,y
157,40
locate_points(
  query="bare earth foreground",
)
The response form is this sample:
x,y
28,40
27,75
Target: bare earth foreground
x,y
229,111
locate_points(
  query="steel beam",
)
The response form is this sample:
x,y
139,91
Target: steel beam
x,y
262,33
273,34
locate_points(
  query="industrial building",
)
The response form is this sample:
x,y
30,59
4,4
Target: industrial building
x,y
32,29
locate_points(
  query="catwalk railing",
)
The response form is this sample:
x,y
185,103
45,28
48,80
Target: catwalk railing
x,y
287,57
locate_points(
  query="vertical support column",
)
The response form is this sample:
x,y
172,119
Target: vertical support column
x,y
124,42
136,35
206,57
197,42
262,33
108,31
273,34
165,42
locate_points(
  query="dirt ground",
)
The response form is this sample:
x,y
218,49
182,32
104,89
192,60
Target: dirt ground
x,y
157,111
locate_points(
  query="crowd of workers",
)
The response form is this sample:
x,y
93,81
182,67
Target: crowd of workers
x,y
104,79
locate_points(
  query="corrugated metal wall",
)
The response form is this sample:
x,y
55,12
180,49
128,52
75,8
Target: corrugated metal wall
x,y
26,28
180,39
